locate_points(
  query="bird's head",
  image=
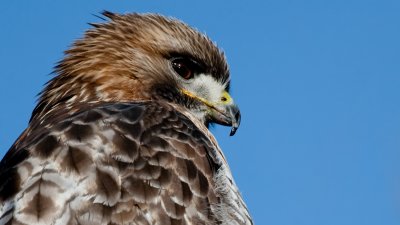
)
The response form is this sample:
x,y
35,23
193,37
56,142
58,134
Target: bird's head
x,y
144,57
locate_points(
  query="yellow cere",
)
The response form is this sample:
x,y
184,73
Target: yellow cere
x,y
226,98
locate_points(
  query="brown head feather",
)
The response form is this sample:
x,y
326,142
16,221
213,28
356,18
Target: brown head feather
x,y
124,59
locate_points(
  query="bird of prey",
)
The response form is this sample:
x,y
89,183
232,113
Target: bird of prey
x,y
120,134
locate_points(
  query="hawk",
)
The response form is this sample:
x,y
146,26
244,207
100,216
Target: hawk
x,y
120,134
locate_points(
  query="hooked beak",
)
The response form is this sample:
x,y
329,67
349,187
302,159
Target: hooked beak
x,y
227,115
224,112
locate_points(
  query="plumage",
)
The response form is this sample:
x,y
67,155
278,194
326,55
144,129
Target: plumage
x,y
119,135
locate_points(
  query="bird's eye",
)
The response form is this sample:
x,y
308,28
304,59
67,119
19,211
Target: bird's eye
x,y
183,68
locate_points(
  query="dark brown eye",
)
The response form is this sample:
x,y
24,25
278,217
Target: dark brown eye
x,y
183,68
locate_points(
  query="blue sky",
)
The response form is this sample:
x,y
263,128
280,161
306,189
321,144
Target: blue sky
x,y
317,82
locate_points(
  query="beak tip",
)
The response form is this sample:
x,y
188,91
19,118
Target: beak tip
x,y
233,131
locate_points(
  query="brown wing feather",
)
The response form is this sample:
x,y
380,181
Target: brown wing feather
x,y
132,163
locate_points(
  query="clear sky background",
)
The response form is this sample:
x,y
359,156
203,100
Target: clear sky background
x,y
317,81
